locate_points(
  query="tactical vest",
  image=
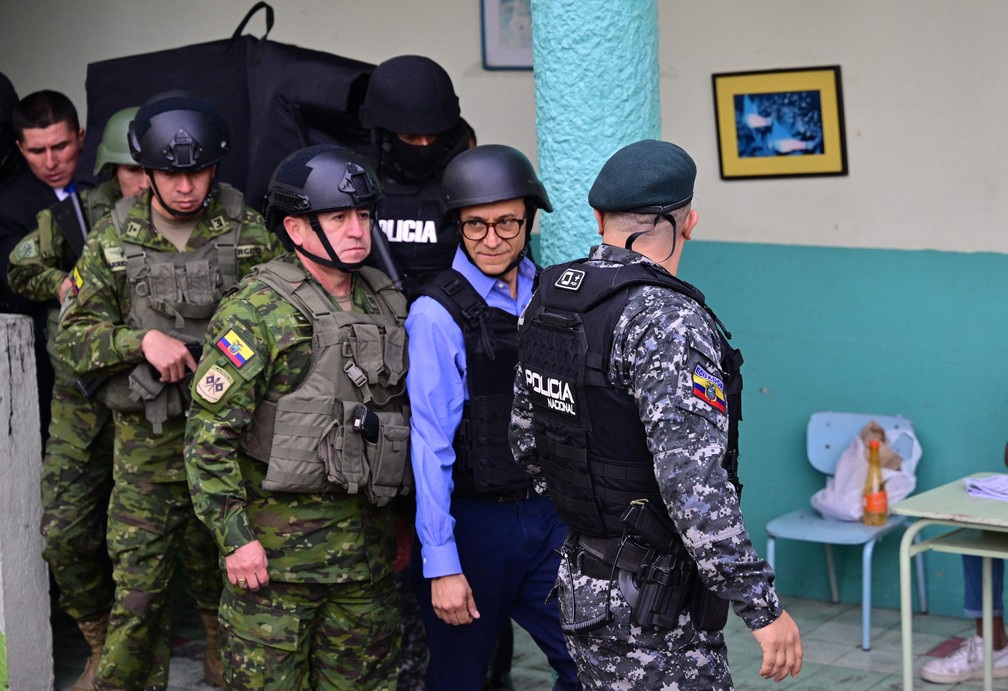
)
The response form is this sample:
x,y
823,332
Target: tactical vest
x,y
175,293
315,438
411,216
483,460
589,437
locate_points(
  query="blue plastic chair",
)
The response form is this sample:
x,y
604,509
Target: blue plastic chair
x,y
828,435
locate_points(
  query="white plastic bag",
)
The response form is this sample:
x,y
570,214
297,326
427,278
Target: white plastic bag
x,y
841,498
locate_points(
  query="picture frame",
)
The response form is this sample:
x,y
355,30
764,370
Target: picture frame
x,y
507,34
783,122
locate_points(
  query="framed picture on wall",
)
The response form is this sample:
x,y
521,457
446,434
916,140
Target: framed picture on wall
x,y
507,34
776,123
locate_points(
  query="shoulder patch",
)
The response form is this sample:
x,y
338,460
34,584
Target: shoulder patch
x,y
76,282
133,228
709,389
28,248
114,257
214,384
235,349
218,223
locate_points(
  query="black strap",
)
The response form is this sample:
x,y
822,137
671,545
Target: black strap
x,y
255,8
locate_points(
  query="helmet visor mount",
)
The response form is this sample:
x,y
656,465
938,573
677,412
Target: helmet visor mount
x,y
358,186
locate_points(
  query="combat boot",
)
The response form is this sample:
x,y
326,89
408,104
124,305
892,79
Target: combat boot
x,y
94,631
213,667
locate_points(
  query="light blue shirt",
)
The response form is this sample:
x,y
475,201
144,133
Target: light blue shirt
x,y
437,387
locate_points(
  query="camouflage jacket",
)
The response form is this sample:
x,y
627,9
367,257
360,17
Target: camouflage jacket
x,y
658,338
39,263
94,337
308,538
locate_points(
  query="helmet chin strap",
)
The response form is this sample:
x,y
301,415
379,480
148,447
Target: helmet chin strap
x,y
184,215
332,261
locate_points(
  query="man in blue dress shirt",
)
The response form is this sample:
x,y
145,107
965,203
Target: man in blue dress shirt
x,y
488,541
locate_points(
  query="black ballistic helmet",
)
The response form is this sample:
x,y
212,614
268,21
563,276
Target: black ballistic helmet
x,y
316,179
177,131
493,173
411,94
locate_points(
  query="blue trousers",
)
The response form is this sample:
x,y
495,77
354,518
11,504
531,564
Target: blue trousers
x,y
973,592
509,557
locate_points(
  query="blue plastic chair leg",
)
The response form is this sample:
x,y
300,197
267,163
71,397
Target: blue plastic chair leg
x,y
866,573
921,590
834,591
771,549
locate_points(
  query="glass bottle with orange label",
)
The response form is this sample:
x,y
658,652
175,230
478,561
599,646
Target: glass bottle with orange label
x,y
874,500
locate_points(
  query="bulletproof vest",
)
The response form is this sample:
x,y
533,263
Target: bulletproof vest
x,y
590,441
483,460
175,293
411,216
324,436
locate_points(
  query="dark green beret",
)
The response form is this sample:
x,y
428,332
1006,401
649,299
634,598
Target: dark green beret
x,y
644,174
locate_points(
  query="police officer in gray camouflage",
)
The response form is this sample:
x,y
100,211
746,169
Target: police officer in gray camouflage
x,y
623,400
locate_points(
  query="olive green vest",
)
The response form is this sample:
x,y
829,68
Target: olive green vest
x,y
308,436
175,293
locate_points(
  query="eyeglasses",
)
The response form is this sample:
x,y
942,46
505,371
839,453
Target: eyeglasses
x,y
477,228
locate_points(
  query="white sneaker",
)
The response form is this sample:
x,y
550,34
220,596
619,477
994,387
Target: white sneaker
x,y
965,663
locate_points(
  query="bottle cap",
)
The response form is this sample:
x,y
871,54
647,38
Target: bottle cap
x,y
873,444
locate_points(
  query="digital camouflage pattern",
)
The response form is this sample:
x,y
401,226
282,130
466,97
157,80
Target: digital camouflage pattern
x,y
151,522
659,339
310,539
77,466
270,641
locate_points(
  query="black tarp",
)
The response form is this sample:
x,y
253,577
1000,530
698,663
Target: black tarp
x,y
276,98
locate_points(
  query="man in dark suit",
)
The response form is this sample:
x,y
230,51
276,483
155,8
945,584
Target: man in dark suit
x,y
49,137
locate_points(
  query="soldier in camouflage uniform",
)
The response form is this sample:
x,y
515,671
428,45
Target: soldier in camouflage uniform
x,y
298,438
145,287
77,467
650,382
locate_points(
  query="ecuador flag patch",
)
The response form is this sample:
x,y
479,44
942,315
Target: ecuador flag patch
x,y
76,281
235,349
709,388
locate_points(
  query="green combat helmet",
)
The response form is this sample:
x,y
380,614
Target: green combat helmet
x,y
114,147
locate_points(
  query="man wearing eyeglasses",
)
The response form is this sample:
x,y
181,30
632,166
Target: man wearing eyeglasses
x,y
488,540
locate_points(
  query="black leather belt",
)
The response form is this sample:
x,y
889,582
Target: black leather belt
x,y
596,555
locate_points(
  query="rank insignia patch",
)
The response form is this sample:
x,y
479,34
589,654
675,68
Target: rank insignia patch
x,y
709,389
76,282
214,384
28,249
235,349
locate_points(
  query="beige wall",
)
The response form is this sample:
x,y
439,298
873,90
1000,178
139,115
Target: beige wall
x,y
923,83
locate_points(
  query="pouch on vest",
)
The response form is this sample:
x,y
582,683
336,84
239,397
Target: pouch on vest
x,y
141,391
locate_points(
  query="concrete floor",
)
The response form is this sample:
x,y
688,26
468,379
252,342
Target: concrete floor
x,y
831,637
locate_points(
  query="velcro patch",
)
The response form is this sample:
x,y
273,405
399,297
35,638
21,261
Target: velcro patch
x,y
235,349
214,384
28,248
114,257
246,251
76,282
709,389
570,279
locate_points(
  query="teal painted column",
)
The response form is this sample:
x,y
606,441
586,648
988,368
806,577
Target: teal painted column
x,y
596,85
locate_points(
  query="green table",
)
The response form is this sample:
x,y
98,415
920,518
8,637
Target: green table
x,y
979,528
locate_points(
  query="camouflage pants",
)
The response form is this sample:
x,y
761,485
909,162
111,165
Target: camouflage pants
x,y
152,529
76,482
294,636
622,656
